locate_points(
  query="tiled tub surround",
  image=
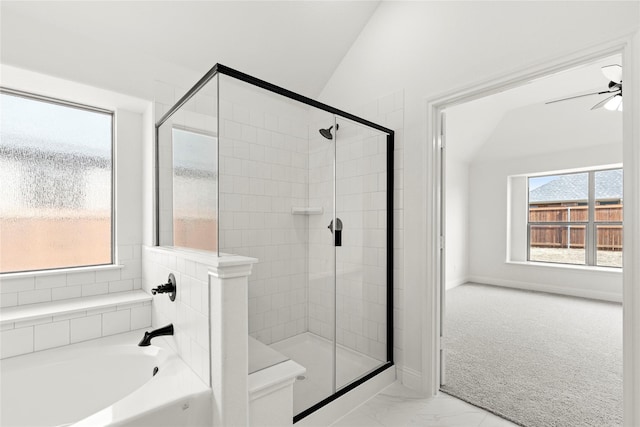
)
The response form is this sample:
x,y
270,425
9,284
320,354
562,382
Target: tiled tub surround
x,y
54,285
101,296
36,327
189,313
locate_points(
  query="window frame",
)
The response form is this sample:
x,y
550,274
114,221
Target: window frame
x,y
84,107
591,237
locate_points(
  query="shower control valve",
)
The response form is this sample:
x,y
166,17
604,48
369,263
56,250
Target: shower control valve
x,y
167,288
338,231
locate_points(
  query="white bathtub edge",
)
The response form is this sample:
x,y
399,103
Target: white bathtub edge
x,y
174,383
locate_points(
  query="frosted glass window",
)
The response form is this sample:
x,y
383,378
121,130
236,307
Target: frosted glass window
x,y
194,189
56,174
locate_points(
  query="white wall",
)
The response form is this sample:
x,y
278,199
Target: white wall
x,y
457,222
489,232
539,128
631,314
429,48
536,138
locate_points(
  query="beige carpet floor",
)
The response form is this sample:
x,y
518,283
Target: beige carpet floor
x,y
533,358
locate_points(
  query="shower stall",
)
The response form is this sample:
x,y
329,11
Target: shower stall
x,y
246,167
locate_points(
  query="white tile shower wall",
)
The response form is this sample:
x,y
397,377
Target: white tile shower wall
x,y
189,313
321,260
55,331
263,174
361,260
262,189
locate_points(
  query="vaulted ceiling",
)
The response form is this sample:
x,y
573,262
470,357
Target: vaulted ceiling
x,y
126,46
518,122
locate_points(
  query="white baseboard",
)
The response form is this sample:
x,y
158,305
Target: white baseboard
x,y
410,378
456,282
553,289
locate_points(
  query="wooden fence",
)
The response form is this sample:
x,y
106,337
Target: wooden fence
x,y
563,236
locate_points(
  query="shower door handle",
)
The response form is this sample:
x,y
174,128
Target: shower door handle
x,y
338,231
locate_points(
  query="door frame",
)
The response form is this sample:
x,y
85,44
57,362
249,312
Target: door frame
x,y
629,47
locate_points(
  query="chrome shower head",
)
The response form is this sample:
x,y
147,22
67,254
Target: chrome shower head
x,y
327,132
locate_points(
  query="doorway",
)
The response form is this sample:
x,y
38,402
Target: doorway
x,y
481,209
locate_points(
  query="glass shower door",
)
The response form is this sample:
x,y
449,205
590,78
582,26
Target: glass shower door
x,y
316,349
360,250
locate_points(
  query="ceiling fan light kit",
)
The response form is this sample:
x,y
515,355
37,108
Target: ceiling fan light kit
x,y
612,102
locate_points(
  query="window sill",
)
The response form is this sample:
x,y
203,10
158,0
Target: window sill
x,y
70,306
53,272
589,268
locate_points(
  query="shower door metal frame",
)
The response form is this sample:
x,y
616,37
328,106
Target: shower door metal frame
x,y
224,70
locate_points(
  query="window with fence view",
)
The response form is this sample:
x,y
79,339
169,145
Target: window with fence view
x,y
576,218
56,184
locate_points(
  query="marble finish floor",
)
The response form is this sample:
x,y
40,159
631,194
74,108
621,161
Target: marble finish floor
x,y
398,406
316,355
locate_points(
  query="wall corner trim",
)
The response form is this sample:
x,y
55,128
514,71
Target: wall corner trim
x,y
228,267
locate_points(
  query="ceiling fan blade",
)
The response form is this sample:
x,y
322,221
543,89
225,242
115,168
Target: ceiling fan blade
x,y
613,72
577,96
604,101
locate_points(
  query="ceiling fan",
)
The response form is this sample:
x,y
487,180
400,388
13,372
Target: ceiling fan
x,y
613,102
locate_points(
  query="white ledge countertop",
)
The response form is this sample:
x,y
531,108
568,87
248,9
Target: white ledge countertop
x,y
575,267
274,377
68,306
212,259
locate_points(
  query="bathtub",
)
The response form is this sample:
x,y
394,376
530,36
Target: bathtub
x,y
104,382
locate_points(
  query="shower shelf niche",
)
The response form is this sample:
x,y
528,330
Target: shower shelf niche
x,y
307,211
